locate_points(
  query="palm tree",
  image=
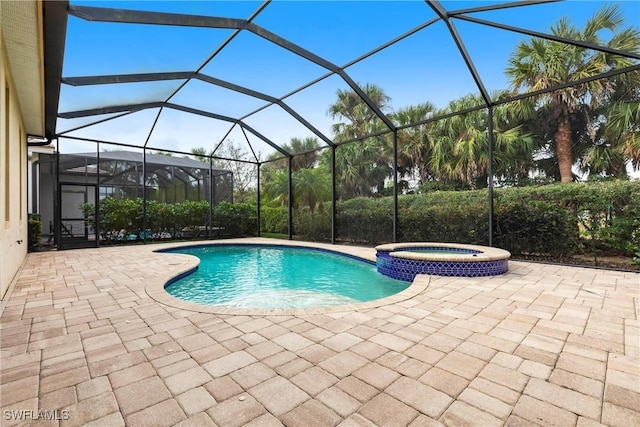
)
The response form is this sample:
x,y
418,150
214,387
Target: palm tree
x,y
359,119
540,64
413,142
362,166
624,120
614,130
312,186
275,187
305,151
460,144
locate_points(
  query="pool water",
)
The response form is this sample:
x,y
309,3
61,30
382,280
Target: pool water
x,y
252,276
442,251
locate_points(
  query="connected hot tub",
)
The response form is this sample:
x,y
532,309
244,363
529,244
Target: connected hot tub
x,y
405,260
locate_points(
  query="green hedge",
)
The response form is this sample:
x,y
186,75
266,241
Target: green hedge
x,y
365,220
603,215
235,219
274,220
557,220
121,220
535,227
314,226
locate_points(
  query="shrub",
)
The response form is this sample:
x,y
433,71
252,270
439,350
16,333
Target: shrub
x,y
466,223
119,219
607,214
365,220
235,219
543,220
552,220
274,219
535,227
315,226
34,230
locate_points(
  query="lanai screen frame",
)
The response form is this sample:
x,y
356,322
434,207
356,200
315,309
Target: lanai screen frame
x,y
55,20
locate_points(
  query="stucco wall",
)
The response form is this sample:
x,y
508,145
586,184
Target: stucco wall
x,y
13,178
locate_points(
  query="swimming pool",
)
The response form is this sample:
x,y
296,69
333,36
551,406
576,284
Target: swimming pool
x,y
269,276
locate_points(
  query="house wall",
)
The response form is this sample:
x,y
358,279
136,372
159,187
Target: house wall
x,y
13,177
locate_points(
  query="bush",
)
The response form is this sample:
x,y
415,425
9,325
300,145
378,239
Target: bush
x,y
121,220
34,230
235,219
315,226
535,227
274,220
556,220
605,214
445,223
365,220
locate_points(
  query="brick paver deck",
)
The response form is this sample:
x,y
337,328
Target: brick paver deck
x,y
83,342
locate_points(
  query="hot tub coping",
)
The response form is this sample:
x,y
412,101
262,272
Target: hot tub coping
x,y
485,253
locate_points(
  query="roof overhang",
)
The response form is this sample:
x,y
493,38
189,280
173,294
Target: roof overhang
x,y
55,34
22,34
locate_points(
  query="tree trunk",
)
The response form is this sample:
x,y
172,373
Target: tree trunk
x,y
563,149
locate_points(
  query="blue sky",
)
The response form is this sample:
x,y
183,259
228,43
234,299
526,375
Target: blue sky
x,y
424,67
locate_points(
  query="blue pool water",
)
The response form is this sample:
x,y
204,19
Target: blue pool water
x,y
253,276
440,251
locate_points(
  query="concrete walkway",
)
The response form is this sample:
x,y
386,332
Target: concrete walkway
x,y
84,343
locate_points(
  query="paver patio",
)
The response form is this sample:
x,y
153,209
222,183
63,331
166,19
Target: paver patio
x,y
540,345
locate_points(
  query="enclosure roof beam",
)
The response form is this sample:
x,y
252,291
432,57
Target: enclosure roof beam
x,y
110,109
228,119
500,6
86,125
583,44
130,16
300,51
143,106
127,78
153,128
185,75
350,63
443,14
244,132
565,85
265,97
264,138
98,14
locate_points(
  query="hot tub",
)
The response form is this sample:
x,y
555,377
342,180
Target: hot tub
x,y
405,260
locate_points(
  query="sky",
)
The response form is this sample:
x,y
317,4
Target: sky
x,y
426,66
